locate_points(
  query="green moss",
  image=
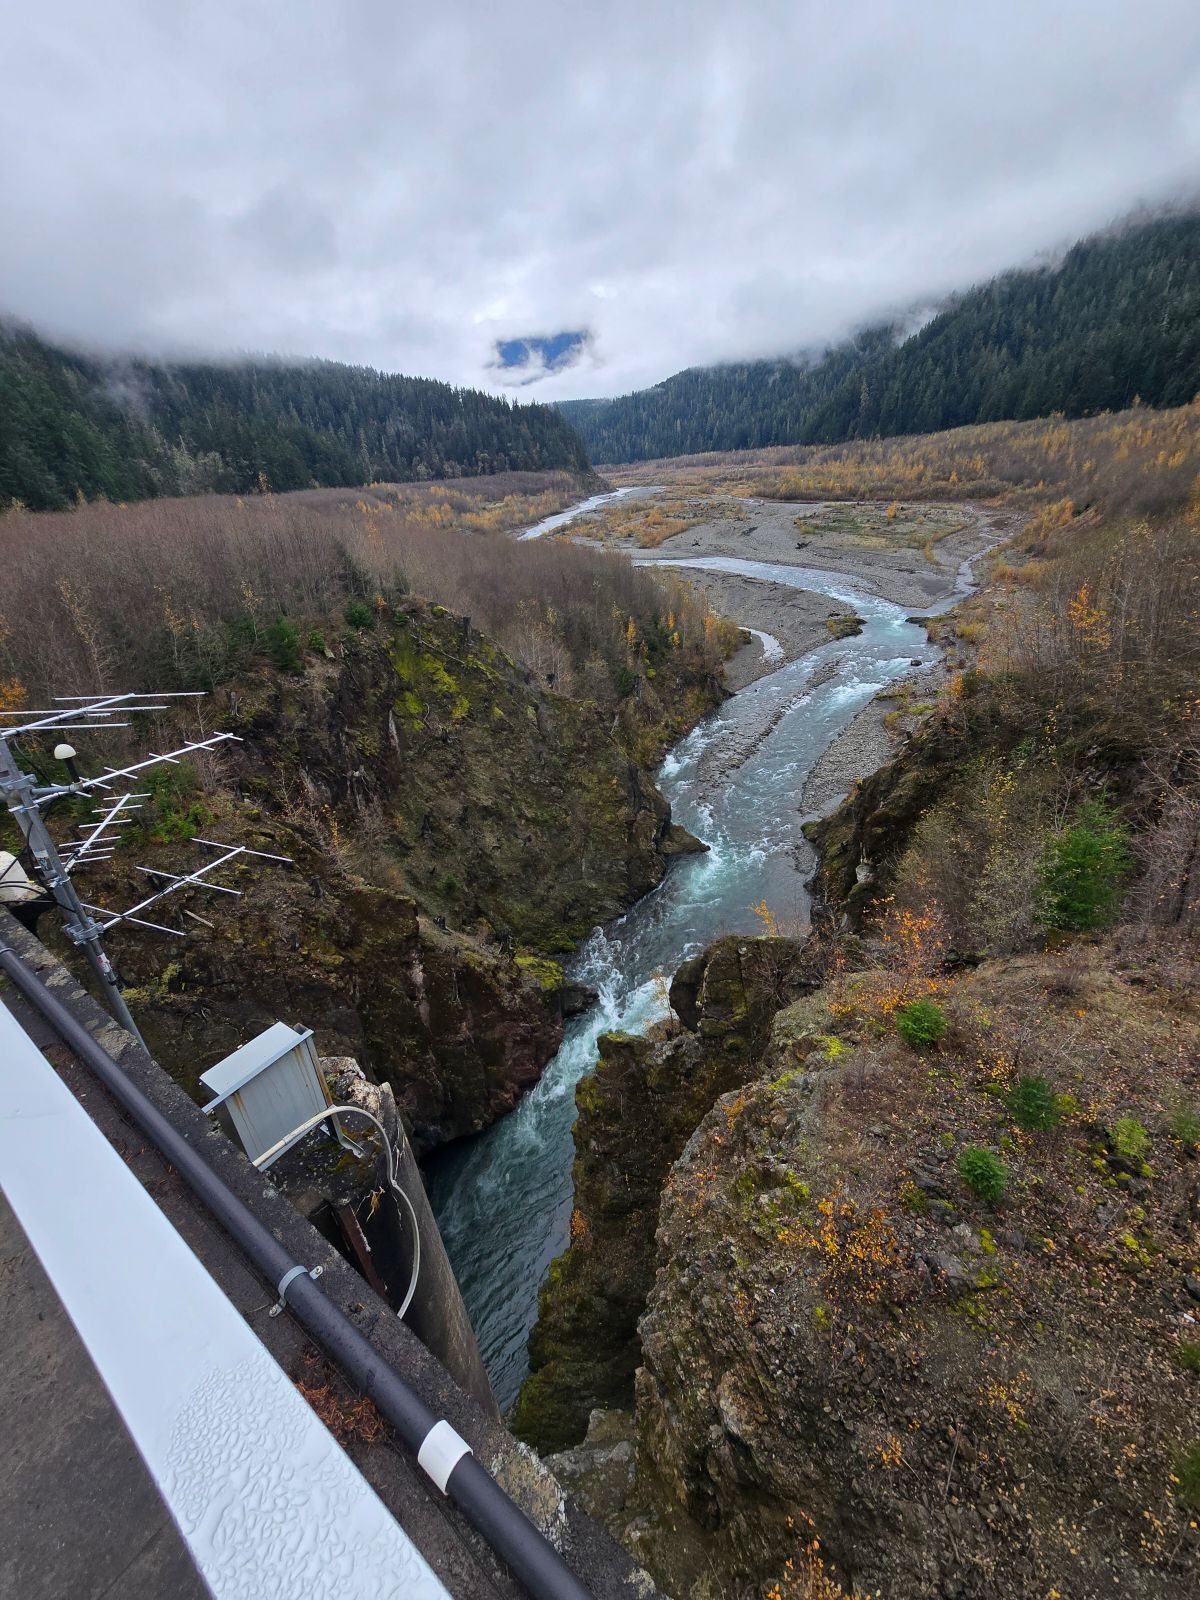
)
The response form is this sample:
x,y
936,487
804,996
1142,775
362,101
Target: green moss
x,y
587,1094
405,660
411,708
546,974
746,1184
797,1187
437,676
782,1082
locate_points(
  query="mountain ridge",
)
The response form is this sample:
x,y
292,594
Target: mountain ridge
x,y
87,426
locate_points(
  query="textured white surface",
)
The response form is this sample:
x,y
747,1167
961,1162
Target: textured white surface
x,y
268,1502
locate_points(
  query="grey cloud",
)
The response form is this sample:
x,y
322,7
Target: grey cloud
x,y
285,233
405,186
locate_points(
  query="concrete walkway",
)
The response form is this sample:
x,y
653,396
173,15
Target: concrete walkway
x,y
80,1514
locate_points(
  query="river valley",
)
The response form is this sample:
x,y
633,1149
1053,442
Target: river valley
x,y
504,1199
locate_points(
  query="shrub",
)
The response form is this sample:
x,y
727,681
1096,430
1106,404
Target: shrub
x,y
1033,1105
921,1024
359,614
1185,1125
1188,1355
176,814
1128,1139
316,641
1187,1477
983,1172
1082,871
225,567
626,681
282,641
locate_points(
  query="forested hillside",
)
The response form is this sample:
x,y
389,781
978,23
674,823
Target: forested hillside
x,y
76,426
1117,319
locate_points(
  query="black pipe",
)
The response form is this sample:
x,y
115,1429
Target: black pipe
x,y
505,1527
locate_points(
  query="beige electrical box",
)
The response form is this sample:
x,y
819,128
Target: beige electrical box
x,y
269,1088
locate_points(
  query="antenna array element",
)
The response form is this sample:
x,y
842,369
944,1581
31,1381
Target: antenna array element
x,y
53,864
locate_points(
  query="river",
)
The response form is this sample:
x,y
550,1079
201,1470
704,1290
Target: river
x,y
581,508
503,1200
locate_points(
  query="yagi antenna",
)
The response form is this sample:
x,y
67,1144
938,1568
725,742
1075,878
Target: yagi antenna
x,y
54,863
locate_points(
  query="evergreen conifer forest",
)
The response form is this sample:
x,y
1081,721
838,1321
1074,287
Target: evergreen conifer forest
x,y
76,427
1116,321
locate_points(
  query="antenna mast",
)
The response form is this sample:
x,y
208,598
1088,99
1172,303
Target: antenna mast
x,y
26,800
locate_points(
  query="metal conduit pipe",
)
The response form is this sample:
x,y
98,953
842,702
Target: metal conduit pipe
x,y
442,1454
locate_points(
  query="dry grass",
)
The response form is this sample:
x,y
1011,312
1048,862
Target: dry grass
x,y
1136,460
649,523
1105,627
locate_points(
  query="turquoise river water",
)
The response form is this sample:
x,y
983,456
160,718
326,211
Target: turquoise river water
x,y
503,1200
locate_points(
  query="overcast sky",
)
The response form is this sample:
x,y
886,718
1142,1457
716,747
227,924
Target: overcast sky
x,y
405,185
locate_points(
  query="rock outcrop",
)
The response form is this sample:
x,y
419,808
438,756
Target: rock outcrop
x,y
962,1397
455,830
636,1113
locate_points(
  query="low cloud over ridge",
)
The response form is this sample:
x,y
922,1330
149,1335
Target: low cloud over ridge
x,y
414,188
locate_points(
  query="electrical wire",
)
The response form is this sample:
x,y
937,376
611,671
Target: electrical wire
x,y
358,1111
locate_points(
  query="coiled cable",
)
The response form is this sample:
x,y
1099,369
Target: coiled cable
x,y
358,1111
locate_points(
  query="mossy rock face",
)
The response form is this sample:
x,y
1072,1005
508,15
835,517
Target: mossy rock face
x,y
454,1026
583,1349
685,990
636,1112
838,1322
730,992
800,1035
679,842
547,974
874,822
442,812
471,777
